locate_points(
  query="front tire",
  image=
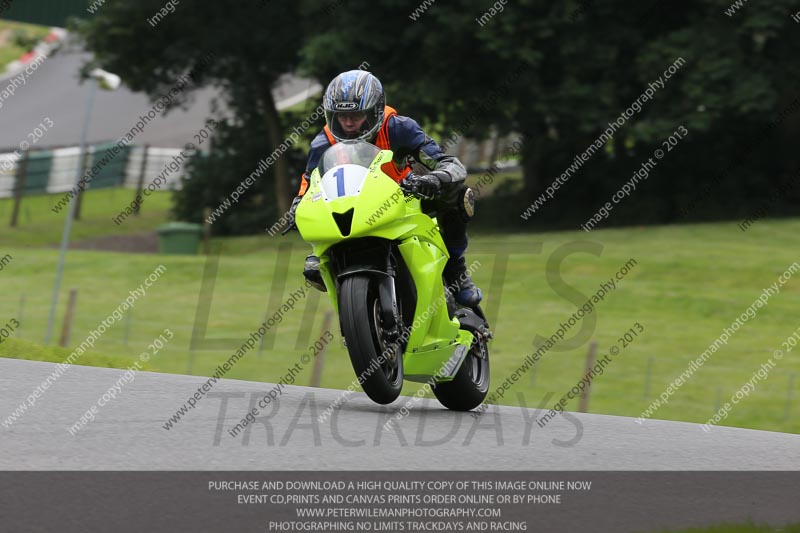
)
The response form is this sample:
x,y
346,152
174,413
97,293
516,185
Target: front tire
x,y
360,318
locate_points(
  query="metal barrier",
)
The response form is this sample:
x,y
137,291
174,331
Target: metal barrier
x,y
55,171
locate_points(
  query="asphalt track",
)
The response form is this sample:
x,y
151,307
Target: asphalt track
x,y
53,91
128,432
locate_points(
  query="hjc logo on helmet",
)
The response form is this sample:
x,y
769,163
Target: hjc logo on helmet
x,y
345,106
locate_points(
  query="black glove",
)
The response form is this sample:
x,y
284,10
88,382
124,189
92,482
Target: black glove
x,y
290,216
427,186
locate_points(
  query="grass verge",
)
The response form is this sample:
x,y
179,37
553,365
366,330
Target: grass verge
x,y
690,282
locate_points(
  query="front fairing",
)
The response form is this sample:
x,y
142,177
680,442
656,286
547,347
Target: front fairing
x,y
352,202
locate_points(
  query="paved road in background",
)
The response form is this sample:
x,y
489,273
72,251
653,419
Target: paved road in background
x,y
52,91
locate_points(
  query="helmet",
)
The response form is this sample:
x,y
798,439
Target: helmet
x,y
354,92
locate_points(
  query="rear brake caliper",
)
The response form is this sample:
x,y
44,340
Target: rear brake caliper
x,y
476,325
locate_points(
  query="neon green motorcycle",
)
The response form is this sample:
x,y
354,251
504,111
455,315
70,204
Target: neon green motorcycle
x,y
382,259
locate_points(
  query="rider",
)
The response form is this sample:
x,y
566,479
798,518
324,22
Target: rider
x,y
355,109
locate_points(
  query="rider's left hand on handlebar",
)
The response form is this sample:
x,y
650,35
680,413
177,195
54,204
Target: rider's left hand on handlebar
x,y
290,223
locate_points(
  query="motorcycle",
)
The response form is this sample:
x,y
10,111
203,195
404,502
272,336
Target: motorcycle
x,y
382,259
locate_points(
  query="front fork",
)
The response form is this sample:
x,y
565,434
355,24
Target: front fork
x,y
391,320
390,310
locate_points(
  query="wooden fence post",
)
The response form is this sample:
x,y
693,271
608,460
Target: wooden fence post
x,y
140,183
22,173
67,327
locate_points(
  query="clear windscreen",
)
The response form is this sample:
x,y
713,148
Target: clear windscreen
x,y
355,153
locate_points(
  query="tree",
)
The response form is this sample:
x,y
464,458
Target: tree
x,y
560,72
242,48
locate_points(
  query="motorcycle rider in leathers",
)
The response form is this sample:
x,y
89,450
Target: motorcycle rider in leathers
x,y
355,109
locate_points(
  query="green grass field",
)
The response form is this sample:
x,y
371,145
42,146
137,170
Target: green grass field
x,y
39,226
9,51
689,283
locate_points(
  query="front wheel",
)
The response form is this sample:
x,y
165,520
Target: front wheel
x,y
377,363
471,383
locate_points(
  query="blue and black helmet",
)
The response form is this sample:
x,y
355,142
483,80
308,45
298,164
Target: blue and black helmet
x,y
359,93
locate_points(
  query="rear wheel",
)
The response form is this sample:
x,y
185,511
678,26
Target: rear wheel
x,y
468,388
378,364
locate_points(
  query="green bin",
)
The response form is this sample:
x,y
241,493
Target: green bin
x,y
179,238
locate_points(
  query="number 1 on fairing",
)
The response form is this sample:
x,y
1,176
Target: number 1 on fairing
x,y
339,174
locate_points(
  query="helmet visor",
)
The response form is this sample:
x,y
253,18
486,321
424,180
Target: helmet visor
x,y
353,125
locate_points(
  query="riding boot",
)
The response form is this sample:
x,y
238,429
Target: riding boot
x,y
459,282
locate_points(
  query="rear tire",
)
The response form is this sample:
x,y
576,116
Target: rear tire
x,y
359,315
468,388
